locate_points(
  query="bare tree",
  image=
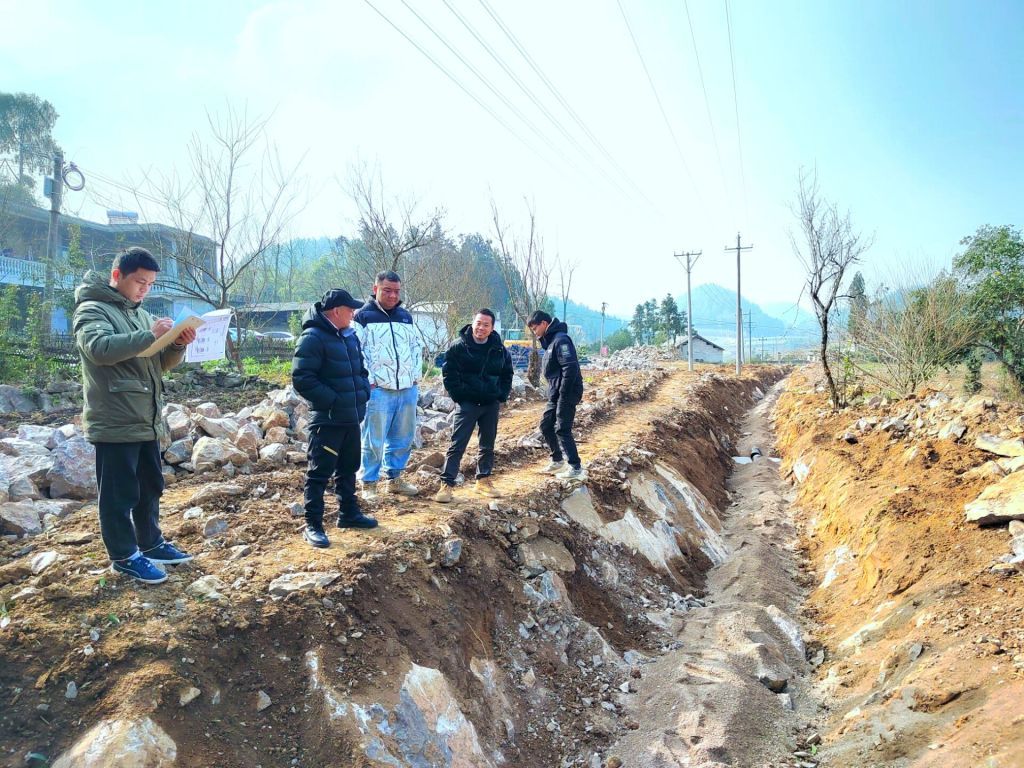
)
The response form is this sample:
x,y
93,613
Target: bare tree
x,y
227,213
566,269
394,235
830,246
525,272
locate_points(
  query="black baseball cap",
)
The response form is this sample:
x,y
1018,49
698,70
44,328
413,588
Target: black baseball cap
x,y
339,297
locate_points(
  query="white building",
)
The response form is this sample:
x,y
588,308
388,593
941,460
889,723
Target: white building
x,y
704,351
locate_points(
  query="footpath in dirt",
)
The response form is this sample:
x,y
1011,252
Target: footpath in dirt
x,y
512,631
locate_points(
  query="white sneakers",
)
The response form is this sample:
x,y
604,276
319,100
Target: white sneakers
x,y
553,467
572,473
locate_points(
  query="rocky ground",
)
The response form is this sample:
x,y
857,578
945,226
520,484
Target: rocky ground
x,y
676,608
915,568
503,613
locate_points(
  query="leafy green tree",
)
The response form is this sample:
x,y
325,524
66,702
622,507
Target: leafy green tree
x,y
671,321
26,132
992,270
620,339
638,324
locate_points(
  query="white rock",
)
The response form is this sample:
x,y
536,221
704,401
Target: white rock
x,y
73,474
294,582
19,446
121,744
211,453
188,696
20,517
214,490
262,701
43,560
207,587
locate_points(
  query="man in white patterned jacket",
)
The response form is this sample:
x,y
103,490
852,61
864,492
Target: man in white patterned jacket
x,y
393,353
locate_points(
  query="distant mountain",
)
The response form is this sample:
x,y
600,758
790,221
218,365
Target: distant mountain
x,y
780,324
792,315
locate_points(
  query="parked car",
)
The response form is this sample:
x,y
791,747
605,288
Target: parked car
x,y
279,336
246,335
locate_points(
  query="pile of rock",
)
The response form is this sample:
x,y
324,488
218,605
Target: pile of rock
x,y
930,415
975,420
41,465
220,378
55,396
435,412
202,439
634,359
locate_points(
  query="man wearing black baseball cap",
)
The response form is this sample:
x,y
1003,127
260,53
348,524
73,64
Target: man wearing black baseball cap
x,y
328,371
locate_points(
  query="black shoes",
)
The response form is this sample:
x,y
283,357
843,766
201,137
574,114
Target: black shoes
x,y
356,520
315,537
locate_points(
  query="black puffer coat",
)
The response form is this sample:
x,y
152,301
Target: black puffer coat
x,y
561,365
477,373
328,371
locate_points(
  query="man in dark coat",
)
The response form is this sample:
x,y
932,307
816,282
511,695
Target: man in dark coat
x,y
477,373
122,416
328,371
565,390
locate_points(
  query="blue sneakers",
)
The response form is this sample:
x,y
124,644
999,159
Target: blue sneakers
x,y
166,554
140,569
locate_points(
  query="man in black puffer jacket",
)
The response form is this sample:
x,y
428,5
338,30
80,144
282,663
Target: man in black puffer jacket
x,y
477,373
328,371
565,390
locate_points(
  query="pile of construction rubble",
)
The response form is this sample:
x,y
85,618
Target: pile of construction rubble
x,y
634,359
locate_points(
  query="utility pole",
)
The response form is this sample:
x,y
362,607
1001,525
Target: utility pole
x,y
53,241
739,308
691,259
600,346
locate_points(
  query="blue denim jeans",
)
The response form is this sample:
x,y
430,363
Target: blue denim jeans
x,y
388,431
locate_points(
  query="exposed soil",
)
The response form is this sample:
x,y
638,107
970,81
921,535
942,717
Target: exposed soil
x,y
132,650
921,638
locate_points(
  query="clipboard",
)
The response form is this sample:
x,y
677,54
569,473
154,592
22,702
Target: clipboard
x,y
183,323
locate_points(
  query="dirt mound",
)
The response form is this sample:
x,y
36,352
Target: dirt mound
x,y
502,631
918,617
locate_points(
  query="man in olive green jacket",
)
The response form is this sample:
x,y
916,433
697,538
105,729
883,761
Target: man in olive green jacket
x,y
123,416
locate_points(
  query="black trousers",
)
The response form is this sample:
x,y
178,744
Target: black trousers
x,y
556,426
130,484
333,451
467,417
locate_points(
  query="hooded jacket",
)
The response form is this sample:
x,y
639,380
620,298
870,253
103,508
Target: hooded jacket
x,y
561,365
392,346
328,371
477,373
123,393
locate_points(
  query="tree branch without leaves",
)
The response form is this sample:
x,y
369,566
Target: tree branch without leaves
x,y
830,246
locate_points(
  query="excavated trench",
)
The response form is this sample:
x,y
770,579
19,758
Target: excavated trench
x,y
644,618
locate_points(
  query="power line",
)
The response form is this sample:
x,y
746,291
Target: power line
x,y
483,79
736,106
561,99
458,83
531,95
703,86
657,98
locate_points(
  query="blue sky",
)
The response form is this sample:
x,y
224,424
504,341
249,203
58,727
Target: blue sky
x,y
912,113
